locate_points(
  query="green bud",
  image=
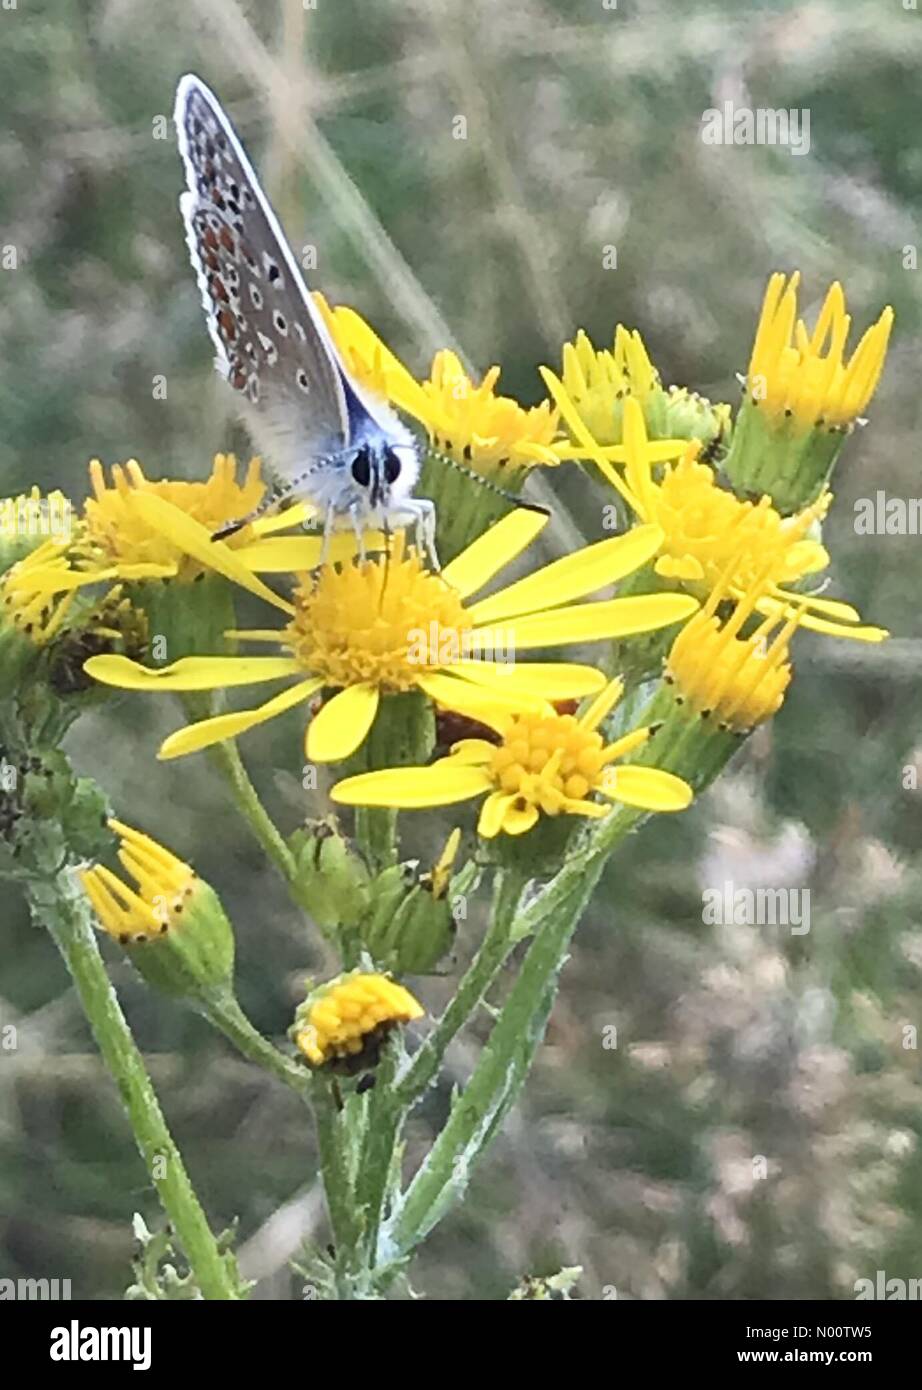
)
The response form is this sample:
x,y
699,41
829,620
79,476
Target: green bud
x,y
185,617
330,881
172,926
411,924
192,957
41,802
466,505
781,459
683,414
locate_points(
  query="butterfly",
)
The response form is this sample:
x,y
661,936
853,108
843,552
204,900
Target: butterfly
x,y
324,438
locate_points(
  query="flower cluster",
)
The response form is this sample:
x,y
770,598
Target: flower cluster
x,y
428,687
553,700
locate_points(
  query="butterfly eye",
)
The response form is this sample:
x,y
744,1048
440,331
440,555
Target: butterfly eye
x,y
361,468
391,466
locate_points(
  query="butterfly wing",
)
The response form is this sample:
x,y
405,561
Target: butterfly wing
x,y
272,344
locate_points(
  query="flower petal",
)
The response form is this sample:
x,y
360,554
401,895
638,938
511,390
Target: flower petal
x,y
571,417
855,634
603,704
496,548
490,706
626,744
517,820
296,515
573,576
593,622
342,724
54,580
281,554
292,554
647,787
472,752
222,726
493,812
413,788
191,672
550,680
196,540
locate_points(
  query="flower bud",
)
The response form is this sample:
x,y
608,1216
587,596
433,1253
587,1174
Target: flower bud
x,y
342,1023
330,881
172,925
803,396
411,926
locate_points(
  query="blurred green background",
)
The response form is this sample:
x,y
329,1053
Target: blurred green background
x,y
582,132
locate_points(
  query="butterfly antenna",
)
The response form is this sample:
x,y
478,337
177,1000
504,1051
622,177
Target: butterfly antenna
x,y
230,528
489,486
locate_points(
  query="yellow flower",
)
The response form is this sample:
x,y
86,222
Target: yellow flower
x,y
164,885
116,537
26,604
122,534
738,681
804,377
491,434
171,923
546,763
345,1020
598,382
704,526
388,625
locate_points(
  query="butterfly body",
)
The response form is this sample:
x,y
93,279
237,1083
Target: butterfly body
x,y
324,438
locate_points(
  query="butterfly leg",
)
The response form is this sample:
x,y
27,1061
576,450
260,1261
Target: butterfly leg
x,y
424,516
329,523
357,517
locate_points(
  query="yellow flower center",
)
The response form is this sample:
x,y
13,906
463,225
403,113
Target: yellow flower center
x,y
706,527
384,621
114,533
549,762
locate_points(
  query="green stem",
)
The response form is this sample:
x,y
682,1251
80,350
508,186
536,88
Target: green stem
x,y
510,1050
383,1121
226,756
493,952
492,1088
225,1014
59,906
388,1104
376,836
338,1187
